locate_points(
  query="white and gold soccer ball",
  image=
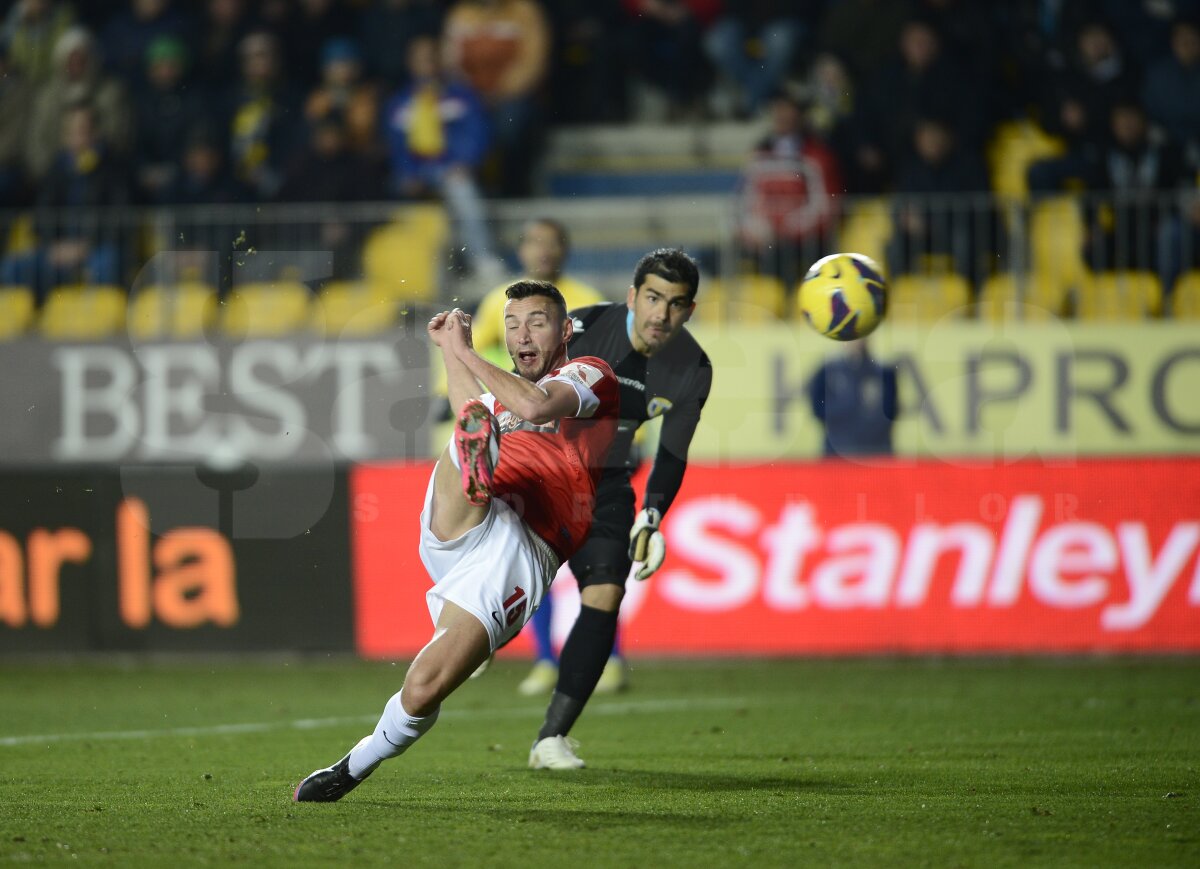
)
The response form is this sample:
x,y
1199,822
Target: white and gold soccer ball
x,y
844,296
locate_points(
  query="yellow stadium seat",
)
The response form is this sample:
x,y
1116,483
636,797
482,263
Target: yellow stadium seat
x,y
16,311
82,312
1057,234
1186,303
1056,239
926,297
266,309
1116,296
712,302
21,235
352,308
748,298
181,311
404,257
867,229
1007,296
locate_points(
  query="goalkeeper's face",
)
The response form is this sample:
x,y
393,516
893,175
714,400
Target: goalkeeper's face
x,y
659,309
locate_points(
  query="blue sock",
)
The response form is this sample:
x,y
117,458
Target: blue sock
x,y
541,630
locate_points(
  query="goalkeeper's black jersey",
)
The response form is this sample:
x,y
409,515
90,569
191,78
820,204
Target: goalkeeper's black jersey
x,y
673,383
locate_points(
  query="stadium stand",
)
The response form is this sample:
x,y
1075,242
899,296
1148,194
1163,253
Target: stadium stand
x,y
1118,296
1019,297
1057,236
867,228
401,259
185,310
743,298
929,297
266,309
621,177
352,308
16,311
1185,303
82,312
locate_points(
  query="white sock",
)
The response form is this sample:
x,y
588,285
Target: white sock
x,y
394,733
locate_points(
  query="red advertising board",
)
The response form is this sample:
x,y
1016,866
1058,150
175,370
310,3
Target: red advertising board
x,y
837,557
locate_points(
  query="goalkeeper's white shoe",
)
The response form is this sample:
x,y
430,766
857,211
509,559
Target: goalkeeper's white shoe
x,y
555,752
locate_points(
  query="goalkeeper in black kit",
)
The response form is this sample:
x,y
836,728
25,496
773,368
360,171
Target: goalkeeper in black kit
x,y
662,372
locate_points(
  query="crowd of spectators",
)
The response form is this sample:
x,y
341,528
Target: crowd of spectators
x,y
216,101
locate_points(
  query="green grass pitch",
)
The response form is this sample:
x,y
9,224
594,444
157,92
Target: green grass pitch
x,y
984,763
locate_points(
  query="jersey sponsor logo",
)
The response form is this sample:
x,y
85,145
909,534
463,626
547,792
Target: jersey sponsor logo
x,y
583,373
657,406
509,422
632,384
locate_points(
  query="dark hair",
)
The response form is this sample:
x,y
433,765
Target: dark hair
x,y
672,265
564,237
525,289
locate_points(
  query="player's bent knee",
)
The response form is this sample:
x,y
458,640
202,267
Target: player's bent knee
x,y
605,596
422,693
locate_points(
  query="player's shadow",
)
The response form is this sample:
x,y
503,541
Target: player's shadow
x,y
694,781
625,781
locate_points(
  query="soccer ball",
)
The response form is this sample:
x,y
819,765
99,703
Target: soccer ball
x,y
844,296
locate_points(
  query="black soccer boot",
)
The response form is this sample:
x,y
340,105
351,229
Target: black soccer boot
x,y
328,785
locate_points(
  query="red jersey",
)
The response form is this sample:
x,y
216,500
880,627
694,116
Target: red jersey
x,y
548,473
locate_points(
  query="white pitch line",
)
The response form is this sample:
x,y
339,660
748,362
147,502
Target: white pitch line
x,y
620,708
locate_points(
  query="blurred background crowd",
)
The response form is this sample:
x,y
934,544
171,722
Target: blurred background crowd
x,y
222,102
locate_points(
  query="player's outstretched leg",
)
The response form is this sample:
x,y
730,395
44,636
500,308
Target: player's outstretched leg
x,y
459,645
477,451
462,481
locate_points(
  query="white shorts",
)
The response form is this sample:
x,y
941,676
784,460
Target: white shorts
x,y
499,571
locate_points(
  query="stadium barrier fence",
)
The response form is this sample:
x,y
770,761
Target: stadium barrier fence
x,y
1048,246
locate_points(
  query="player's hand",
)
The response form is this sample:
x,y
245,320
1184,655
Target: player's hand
x,y
458,330
646,543
437,328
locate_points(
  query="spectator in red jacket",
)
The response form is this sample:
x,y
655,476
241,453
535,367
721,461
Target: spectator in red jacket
x,y
788,194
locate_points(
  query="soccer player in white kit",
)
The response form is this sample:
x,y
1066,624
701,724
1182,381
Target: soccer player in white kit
x,y
500,516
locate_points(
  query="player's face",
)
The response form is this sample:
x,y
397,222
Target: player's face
x,y
660,308
541,252
536,334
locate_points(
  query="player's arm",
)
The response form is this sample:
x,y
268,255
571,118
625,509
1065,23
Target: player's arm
x,y
537,404
670,462
646,543
461,384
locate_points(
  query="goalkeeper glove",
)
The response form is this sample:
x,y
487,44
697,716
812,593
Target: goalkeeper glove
x,y
646,543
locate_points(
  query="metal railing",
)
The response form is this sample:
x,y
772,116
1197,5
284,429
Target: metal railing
x,y
1060,239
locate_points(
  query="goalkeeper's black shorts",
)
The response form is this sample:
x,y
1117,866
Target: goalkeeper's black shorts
x,y
604,556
